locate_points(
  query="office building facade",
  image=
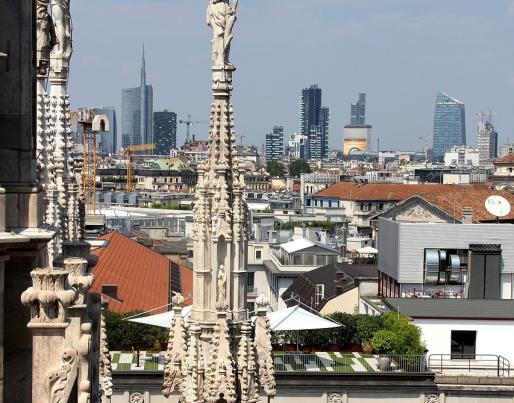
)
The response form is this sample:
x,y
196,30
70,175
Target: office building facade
x,y
357,135
108,141
164,131
315,122
275,144
449,125
487,141
505,150
359,111
137,112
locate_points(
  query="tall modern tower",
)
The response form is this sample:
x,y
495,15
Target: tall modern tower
x,y
165,131
487,141
449,125
315,122
359,111
137,112
275,144
357,135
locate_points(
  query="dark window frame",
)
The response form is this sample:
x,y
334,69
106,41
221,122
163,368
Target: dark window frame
x,y
463,344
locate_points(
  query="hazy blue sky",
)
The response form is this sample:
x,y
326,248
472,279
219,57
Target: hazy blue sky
x,y
400,52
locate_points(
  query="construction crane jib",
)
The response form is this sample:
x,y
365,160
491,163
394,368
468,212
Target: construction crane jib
x,y
129,151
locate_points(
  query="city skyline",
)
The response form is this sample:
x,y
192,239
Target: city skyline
x,y
462,33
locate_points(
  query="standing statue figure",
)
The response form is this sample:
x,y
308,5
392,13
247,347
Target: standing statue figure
x,y
62,26
221,17
222,286
45,29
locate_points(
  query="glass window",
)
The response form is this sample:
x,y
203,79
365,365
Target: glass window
x,y
250,306
258,254
250,279
463,344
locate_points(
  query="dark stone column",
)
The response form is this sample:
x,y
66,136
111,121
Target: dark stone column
x,y
17,113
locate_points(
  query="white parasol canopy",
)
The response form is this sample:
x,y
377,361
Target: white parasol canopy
x,y
367,250
296,318
162,319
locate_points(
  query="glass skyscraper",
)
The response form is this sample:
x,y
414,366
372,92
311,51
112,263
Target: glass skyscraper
x,y
449,125
359,111
315,122
164,131
275,144
137,112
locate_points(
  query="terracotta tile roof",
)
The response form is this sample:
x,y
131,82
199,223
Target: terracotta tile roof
x,y
473,196
142,276
187,284
508,159
386,191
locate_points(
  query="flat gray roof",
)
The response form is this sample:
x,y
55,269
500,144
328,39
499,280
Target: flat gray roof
x,y
434,308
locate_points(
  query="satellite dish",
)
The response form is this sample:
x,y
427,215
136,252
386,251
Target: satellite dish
x,y
497,206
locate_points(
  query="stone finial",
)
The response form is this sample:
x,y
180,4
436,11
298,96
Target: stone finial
x,y
178,300
175,358
79,279
105,373
264,348
193,384
246,365
48,297
262,303
219,372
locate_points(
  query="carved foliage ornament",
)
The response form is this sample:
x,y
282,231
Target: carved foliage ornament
x,y
432,398
48,296
60,381
137,397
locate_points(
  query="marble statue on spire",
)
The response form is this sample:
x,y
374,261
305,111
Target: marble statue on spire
x,y
62,26
45,37
221,17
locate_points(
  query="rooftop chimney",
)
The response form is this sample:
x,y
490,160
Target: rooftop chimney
x,y
467,213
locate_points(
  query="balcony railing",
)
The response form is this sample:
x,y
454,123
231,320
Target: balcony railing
x,y
336,363
349,362
481,363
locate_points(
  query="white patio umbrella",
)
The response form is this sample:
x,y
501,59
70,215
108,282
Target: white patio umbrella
x,y
162,319
367,250
296,318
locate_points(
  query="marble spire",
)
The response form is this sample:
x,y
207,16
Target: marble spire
x,y
221,362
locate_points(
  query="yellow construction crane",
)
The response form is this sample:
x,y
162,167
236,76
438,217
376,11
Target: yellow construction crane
x,y
129,151
91,125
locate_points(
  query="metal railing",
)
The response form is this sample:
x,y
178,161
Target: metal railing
x,y
348,362
479,362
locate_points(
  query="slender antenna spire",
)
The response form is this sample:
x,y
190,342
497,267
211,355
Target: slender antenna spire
x,y
143,68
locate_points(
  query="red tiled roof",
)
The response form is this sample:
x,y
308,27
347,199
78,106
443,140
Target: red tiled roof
x,y
473,196
508,159
187,284
142,276
392,192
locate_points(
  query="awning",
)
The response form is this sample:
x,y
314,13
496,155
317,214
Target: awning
x,y
162,319
296,318
367,250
